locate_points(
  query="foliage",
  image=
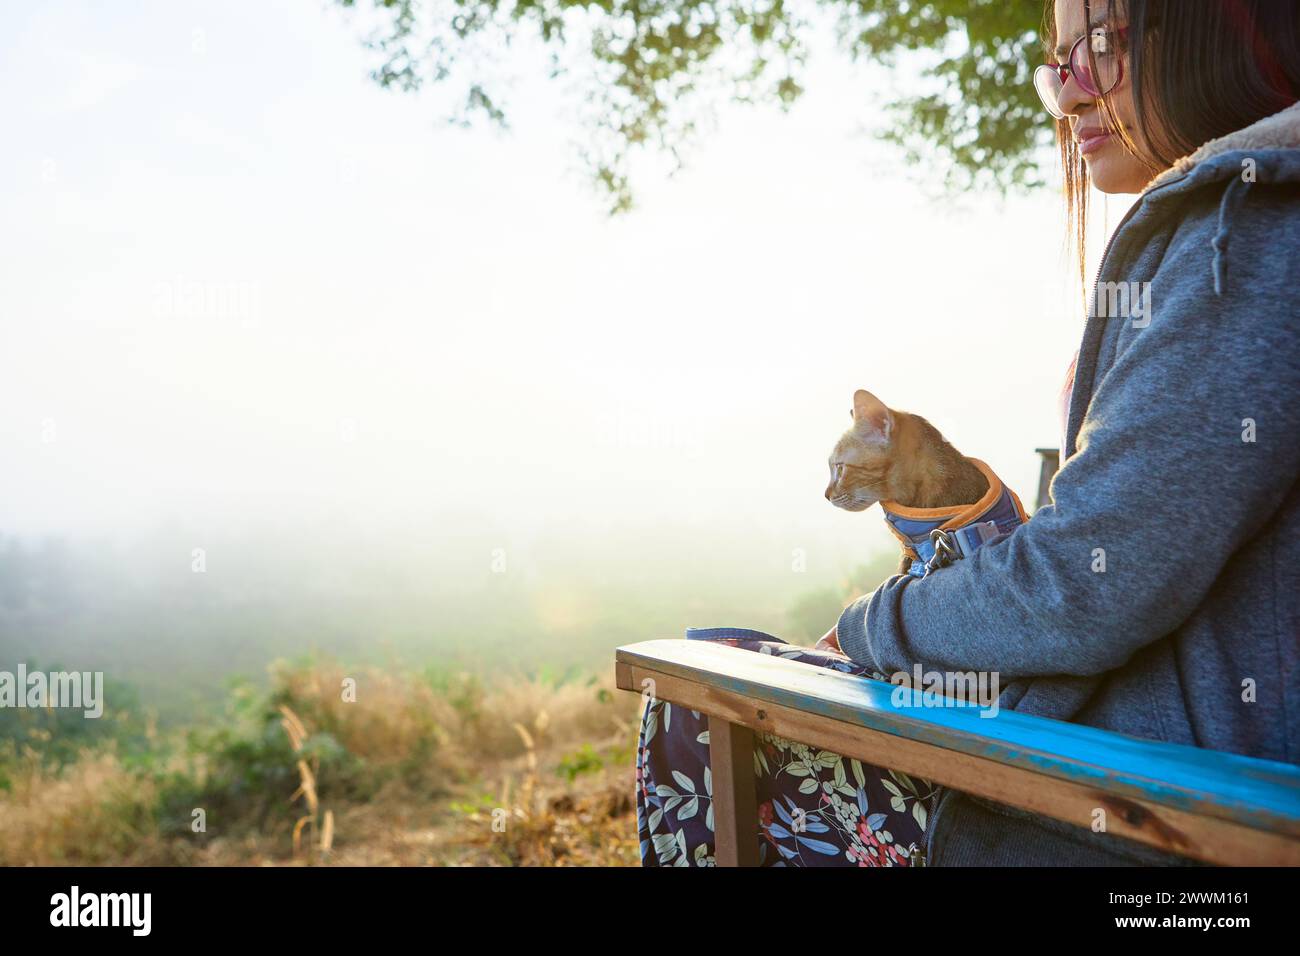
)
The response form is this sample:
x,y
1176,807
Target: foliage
x,y
60,734
408,748
649,70
243,771
583,760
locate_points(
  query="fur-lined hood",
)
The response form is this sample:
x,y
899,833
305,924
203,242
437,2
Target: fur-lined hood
x,y
1266,153
1281,131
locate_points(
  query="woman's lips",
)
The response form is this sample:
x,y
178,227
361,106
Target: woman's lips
x,y
1091,142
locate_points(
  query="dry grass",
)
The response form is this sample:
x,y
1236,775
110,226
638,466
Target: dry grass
x,y
393,715
538,822
465,775
93,812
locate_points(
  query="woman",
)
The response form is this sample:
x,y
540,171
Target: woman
x,y
1158,595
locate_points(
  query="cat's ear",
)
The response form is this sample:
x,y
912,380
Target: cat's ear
x,y
871,418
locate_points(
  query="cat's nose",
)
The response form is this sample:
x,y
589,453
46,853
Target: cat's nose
x,y
830,490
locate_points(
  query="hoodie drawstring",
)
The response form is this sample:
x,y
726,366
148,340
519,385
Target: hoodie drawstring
x,y
1233,196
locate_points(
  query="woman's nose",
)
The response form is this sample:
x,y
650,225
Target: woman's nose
x,y
1073,99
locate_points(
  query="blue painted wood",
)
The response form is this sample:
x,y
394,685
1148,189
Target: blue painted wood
x,y
1258,793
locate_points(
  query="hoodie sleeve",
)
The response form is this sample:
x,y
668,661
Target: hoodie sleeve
x,y
1190,443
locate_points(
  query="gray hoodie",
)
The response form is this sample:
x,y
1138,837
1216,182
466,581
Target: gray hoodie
x,y
1158,595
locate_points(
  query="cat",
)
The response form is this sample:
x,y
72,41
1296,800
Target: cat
x,y
898,458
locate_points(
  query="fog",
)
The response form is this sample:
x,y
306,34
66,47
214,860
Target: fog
x,y
287,364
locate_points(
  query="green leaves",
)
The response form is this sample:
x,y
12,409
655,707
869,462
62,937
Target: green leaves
x,y
651,70
979,123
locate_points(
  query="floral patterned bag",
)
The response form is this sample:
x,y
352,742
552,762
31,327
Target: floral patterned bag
x,y
815,808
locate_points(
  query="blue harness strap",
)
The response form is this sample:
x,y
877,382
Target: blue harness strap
x,y
936,537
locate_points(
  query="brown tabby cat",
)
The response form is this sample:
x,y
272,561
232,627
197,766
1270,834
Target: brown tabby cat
x,y
899,458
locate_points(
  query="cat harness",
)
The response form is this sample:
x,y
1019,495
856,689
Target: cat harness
x,y
936,537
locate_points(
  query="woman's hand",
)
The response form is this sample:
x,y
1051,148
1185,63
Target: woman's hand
x,y
829,642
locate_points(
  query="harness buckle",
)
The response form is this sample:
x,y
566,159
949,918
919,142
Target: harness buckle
x,y
946,549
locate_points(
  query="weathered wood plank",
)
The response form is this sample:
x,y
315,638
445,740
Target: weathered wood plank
x,y
1220,807
735,808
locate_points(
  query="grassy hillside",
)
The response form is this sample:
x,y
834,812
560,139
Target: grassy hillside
x,y
418,769
404,710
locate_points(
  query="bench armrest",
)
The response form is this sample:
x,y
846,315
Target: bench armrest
x,y
1218,807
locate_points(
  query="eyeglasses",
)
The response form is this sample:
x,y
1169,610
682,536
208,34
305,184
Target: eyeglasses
x,y
1096,67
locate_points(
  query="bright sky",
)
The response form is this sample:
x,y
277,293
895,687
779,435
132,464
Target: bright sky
x,y
241,282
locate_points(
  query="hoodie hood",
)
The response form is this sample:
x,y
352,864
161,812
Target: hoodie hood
x,y
1266,152
1281,131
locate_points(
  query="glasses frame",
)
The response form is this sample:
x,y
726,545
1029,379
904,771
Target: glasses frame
x,y
1062,72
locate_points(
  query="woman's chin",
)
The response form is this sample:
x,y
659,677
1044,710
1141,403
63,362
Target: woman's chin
x,y
1113,170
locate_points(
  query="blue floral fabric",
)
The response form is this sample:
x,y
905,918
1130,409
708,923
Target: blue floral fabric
x,y
815,808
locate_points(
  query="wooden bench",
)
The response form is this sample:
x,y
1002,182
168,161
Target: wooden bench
x,y
1216,807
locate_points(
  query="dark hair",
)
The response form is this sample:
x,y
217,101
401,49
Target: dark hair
x,y
1246,55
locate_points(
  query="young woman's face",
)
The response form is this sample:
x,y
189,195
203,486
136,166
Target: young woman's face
x,y
1111,166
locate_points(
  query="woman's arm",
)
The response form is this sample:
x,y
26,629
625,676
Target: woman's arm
x,y
1163,488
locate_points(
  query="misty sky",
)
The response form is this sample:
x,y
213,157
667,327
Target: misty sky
x,y
242,285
